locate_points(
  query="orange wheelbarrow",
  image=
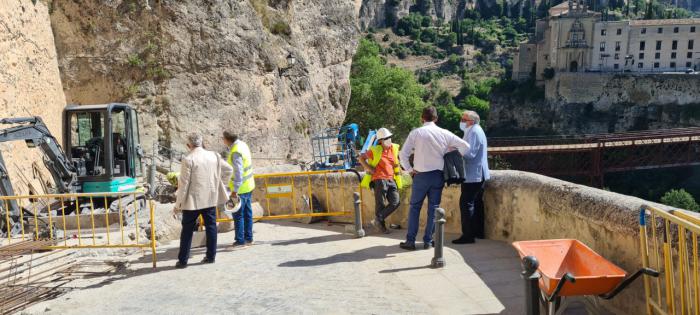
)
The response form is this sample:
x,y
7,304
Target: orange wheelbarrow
x,y
566,268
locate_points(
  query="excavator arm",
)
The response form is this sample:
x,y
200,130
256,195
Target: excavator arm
x,y
35,133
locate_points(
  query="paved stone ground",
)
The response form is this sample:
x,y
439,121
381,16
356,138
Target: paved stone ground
x,y
308,269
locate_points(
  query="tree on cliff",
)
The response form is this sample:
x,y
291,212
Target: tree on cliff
x,y
382,96
680,199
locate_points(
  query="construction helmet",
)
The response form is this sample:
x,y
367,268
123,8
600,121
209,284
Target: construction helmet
x,y
383,133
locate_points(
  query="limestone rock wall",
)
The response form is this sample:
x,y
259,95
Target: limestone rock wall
x,y
385,13
30,84
273,71
601,103
609,89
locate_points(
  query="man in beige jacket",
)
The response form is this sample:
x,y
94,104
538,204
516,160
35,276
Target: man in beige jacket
x,y
201,187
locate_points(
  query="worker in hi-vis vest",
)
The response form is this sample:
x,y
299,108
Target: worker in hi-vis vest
x,y
383,174
241,185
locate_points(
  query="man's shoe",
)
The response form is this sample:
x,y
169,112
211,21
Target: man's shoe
x,y
180,265
249,243
207,261
463,240
407,245
428,245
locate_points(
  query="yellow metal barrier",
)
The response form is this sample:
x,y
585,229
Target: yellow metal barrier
x,y
293,186
673,250
70,221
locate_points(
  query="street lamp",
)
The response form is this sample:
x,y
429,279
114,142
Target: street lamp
x,y
290,60
290,64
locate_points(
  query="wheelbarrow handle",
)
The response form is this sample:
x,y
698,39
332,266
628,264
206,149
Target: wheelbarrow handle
x,y
567,277
625,283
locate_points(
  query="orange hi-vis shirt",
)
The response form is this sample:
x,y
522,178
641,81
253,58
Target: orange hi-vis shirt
x,y
385,167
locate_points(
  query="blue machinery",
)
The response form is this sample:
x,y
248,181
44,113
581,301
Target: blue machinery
x,y
336,148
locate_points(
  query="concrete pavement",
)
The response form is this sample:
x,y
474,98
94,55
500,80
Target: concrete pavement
x,y
308,269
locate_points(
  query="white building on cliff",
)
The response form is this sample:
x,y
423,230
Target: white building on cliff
x,y
574,39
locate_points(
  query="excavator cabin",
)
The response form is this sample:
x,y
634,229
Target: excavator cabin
x,y
106,137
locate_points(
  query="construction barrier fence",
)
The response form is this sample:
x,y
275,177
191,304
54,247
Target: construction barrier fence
x,y
669,243
75,221
308,194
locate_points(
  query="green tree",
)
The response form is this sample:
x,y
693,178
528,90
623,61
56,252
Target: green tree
x,y
476,104
383,96
680,199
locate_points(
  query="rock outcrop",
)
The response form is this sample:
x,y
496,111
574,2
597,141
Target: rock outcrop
x,y
30,84
273,71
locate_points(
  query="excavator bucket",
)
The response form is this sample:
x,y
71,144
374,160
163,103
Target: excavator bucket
x,y
594,274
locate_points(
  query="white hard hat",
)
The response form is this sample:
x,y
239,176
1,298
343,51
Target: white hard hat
x,y
383,133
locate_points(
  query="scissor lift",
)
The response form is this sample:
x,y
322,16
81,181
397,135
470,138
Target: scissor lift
x,y
336,148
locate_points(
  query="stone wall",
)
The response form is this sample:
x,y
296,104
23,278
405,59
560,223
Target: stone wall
x,y
30,83
606,89
518,206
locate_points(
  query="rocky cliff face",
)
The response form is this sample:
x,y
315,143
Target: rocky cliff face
x,y
385,13
29,85
271,70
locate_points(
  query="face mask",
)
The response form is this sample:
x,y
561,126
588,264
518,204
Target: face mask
x,y
463,126
386,143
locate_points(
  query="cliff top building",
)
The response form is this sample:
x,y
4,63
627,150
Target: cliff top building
x,y
574,39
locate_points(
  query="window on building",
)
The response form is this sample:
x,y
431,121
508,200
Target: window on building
x,y
688,64
673,55
660,30
641,56
603,32
691,43
617,56
644,30
673,64
692,29
619,31
675,29
674,45
656,64
689,55
640,65
657,56
616,66
642,45
617,46
602,46
658,45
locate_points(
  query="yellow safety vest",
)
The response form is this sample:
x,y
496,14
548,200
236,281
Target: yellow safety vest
x,y
248,183
376,157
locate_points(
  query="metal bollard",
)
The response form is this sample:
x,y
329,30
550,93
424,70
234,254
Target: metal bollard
x,y
532,289
359,232
438,259
152,172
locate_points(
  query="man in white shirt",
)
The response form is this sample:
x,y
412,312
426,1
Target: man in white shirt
x,y
200,188
429,144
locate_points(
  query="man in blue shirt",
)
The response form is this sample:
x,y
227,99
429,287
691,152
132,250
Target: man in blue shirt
x,y
476,172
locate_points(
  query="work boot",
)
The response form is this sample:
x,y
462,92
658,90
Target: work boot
x,y
237,245
407,245
380,226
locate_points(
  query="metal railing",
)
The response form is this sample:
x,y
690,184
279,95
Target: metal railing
x,y
296,186
80,221
673,250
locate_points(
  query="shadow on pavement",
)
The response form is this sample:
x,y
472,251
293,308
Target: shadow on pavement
x,y
370,253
